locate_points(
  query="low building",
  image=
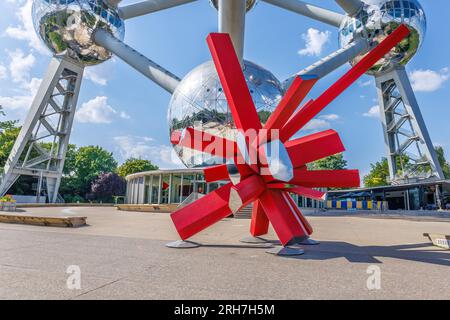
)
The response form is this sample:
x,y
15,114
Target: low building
x,y
173,187
414,196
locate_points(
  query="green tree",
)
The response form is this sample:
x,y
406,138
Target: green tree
x,y
335,162
107,186
134,165
444,163
86,165
378,175
8,135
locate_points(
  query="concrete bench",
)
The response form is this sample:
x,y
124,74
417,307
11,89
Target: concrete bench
x,y
59,221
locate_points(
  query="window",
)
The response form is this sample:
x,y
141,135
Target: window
x,y
176,188
155,189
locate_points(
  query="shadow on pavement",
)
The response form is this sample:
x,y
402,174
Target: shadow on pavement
x,y
367,254
360,254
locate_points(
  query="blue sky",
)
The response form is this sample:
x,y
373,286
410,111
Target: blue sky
x,y
125,113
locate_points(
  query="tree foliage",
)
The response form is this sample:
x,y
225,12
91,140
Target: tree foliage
x,y
378,175
8,135
106,186
83,168
335,162
134,165
442,160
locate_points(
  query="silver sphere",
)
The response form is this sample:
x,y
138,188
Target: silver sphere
x,y
250,4
66,26
199,102
377,20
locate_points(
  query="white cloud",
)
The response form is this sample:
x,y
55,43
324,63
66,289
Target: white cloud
x,y
428,80
323,122
16,103
142,147
315,41
95,76
20,65
373,112
32,86
98,111
330,117
317,124
16,106
363,84
3,72
25,31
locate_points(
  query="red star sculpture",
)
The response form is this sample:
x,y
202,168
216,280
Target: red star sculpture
x,y
265,166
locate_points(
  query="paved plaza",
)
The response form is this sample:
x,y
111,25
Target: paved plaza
x,y
122,255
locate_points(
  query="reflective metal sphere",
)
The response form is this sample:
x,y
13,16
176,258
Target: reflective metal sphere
x,y
250,4
377,20
199,102
66,26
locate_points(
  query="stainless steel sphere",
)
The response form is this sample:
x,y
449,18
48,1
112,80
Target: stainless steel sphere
x,y
199,102
66,26
250,4
377,20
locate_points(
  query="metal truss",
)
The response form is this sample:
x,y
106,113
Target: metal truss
x,y
41,146
411,154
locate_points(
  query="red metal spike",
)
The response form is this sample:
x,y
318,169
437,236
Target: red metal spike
x,y
326,178
305,222
260,223
314,147
282,216
301,191
298,90
307,113
233,82
202,213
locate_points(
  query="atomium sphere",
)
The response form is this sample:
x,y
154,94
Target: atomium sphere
x,y
66,26
377,20
200,103
250,4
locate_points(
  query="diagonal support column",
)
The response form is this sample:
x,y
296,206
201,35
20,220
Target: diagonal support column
x,y
404,129
147,67
330,63
317,13
352,7
146,7
50,121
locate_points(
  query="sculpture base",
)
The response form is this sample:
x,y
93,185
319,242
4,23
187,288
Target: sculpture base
x,y
180,244
286,251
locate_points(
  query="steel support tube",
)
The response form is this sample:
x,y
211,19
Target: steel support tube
x,y
311,11
352,7
332,62
113,3
147,67
232,21
149,6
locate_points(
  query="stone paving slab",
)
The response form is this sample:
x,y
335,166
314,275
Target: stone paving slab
x,y
122,255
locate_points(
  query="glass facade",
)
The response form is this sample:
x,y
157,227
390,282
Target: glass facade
x,y
377,20
167,187
66,27
199,102
174,187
